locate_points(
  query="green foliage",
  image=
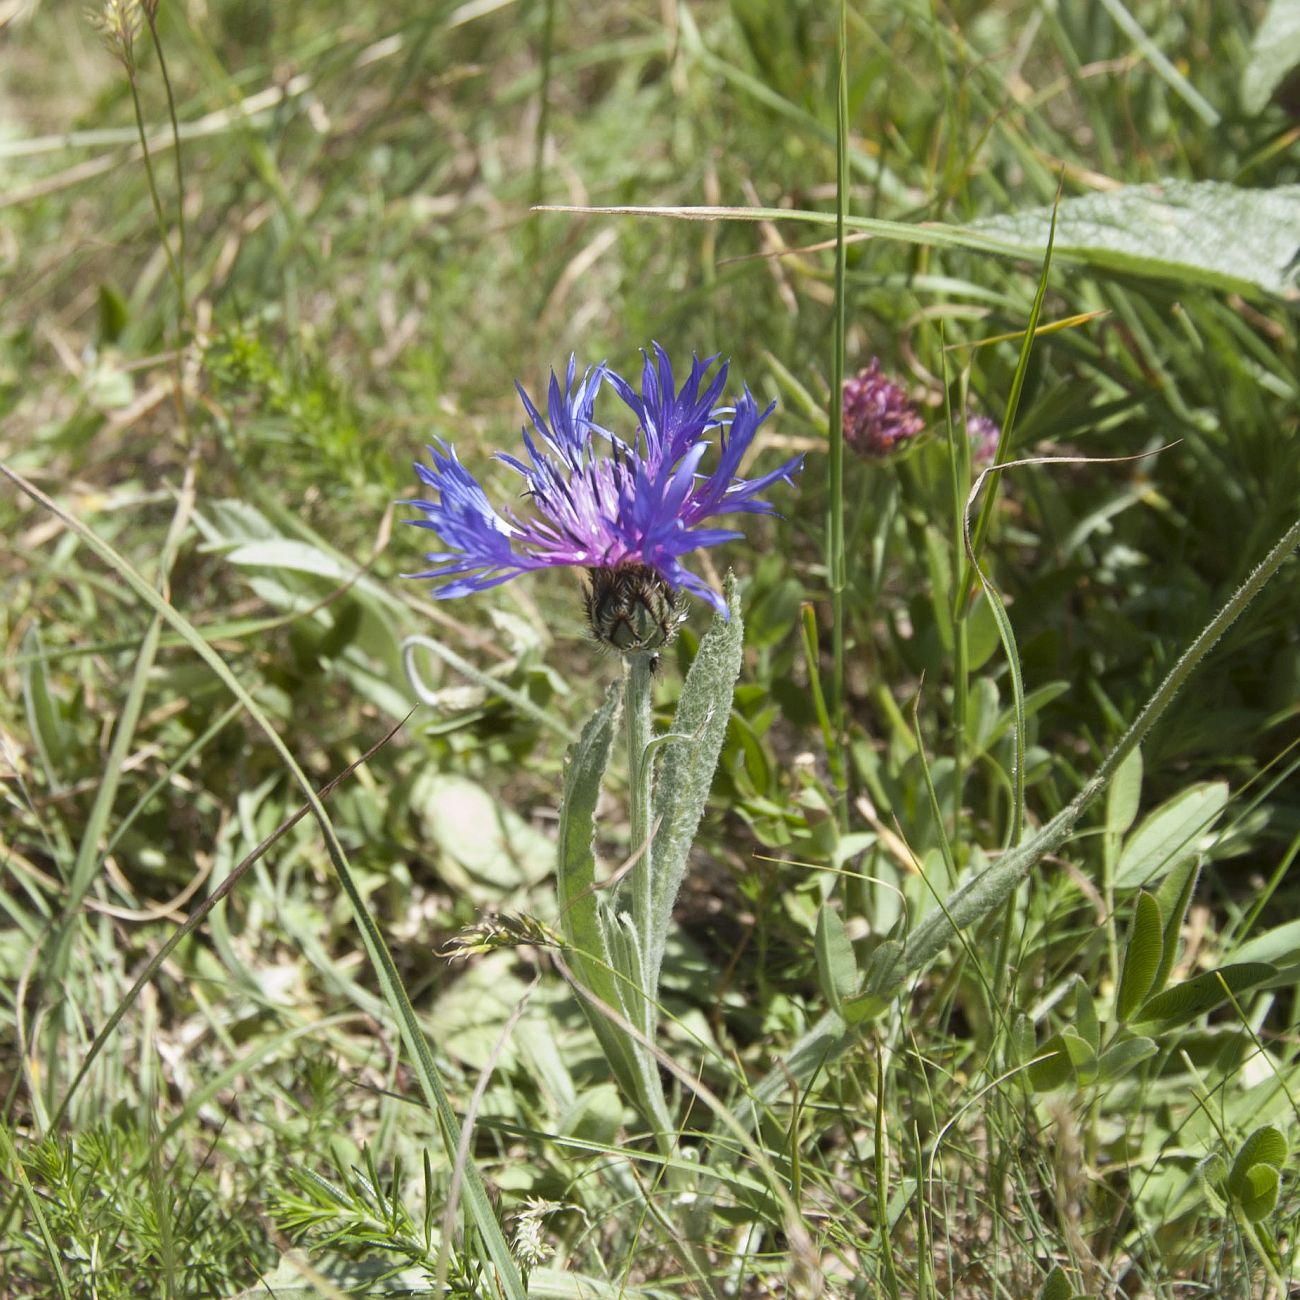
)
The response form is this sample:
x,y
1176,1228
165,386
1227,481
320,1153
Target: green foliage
x,y
984,1037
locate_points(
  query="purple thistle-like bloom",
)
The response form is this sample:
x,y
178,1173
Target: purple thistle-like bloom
x,y
983,434
602,501
878,414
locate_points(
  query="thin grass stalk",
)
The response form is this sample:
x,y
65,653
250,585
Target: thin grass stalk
x,y
151,18
412,1032
835,460
543,124
159,217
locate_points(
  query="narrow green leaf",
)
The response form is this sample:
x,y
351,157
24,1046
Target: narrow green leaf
x,y
1193,997
43,719
580,919
1175,897
1280,945
687,765
1169,836
991,887
1023,1040
836,968
1122,800
1142,957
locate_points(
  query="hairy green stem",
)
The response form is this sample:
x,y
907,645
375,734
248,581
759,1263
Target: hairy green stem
x,y
637,720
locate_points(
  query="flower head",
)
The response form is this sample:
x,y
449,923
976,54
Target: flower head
x,y
619,506
983,434
878,414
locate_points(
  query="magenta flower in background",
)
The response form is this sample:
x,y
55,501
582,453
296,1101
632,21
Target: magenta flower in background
x,y
878,414
983,435
619,505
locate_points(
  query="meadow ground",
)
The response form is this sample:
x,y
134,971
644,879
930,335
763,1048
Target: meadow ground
x,y
941,1013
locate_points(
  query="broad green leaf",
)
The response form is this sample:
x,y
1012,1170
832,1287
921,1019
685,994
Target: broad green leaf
x,y
1055,1067
1281,946
1193,997
1118,1059
1057,1286
286,553
1258,1193
1169,836
686,768
1082,1056
485,849
1274,52
836,968
1142,957
1175,897
1206,233
1265,1146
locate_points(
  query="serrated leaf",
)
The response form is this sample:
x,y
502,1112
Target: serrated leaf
x,y
1193,997
1265,1146
687,765
1118,1059
1169,836
1142,956
1274,53
1209,233
1057,1286
836,968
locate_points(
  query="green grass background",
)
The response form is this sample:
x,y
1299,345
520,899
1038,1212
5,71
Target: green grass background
x,y
235,413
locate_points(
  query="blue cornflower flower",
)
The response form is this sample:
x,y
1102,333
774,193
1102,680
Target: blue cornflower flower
x,y
625,509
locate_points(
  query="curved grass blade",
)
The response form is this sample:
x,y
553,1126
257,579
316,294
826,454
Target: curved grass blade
x,y
417,1043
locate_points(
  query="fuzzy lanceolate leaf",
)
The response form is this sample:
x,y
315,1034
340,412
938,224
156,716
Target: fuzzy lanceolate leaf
x,y
837,971
1142,957
1193,997
686,768
1175,897
580,913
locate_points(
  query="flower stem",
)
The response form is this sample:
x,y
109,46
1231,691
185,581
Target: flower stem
x,y
636,716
